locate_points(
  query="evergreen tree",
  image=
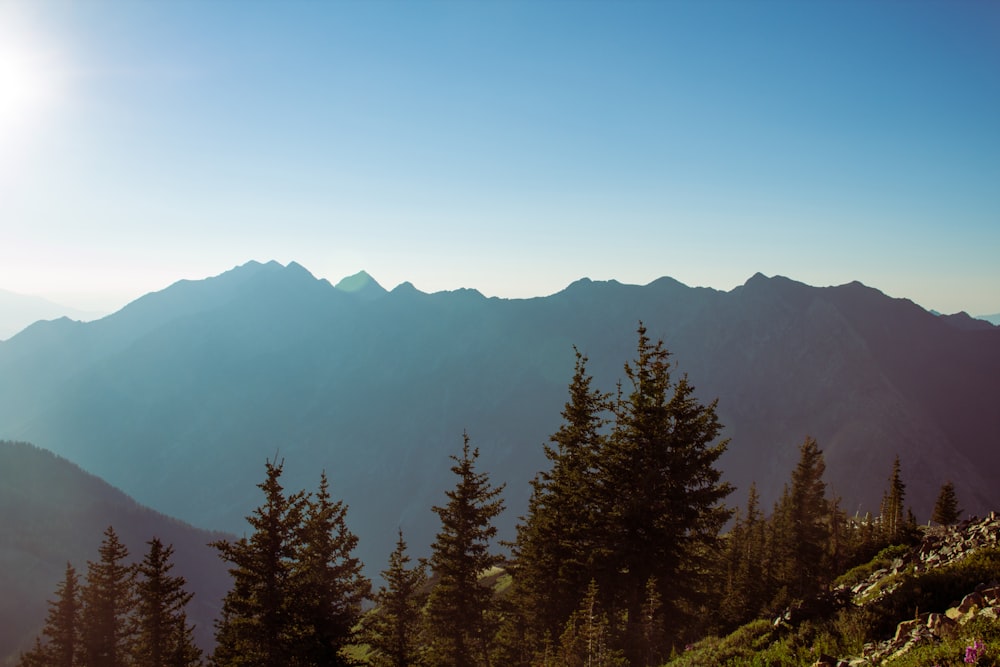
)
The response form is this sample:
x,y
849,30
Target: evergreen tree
x,y
803,525
164,638
653,637
37,656
329,587
257,625
459,614
746,591
662,492
893,513
555,543
392,629
586,640
946,510
109,600
62,627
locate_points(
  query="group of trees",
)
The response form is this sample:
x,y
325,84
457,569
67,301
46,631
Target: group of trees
x,y
623,528
808,540
620,560
297,587
122,614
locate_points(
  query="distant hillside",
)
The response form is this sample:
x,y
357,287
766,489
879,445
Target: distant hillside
x,y
17,311
180,397
51,513
992,319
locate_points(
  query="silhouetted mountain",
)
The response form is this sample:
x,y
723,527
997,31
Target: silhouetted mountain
x,y
992,319
52,512
181,396
361,285
17,311
963,320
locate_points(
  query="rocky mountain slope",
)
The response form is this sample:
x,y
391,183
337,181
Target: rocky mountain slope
x,y
180,397
936,602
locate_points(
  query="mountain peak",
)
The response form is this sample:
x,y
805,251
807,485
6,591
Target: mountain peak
x,y
361,285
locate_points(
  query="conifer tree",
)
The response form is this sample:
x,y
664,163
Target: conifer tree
x,y
946,510
746,582
37,656
652,647
392,629
460,621
587,638
555,543
804,532
62,627
257,625
329,587
109,600
164,637
662,492
893,512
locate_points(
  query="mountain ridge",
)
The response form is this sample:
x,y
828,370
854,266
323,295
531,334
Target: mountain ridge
x,y
200,385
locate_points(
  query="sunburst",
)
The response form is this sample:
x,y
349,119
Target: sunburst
x,y
30,80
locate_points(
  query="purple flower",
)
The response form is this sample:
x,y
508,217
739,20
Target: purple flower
x,y
973,652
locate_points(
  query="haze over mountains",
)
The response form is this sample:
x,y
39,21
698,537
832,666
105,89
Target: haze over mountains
x,y
180,397
17,311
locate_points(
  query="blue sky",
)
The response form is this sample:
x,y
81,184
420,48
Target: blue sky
x,y
512,147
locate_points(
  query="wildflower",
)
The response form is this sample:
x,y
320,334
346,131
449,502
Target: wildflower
x,y
973,652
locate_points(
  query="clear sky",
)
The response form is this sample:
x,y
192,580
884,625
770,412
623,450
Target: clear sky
x,y
512,146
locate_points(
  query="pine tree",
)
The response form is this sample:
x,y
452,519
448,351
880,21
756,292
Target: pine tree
x,y
62,627
893,513
653,638
392,628
257,625
329,586
746,582
37,656
946,510
459,614
802,520
662,492
587,638
555,543
164,637
109,600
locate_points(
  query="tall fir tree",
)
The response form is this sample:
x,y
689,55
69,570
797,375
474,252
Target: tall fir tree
x,y
392,628
663,495
109,600
946,509
801,526
553,554
460,618
744,564
62,627
164,636
258,625
329,585
893,513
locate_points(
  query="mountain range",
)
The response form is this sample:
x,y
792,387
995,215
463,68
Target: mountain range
x,y
17,311
179,398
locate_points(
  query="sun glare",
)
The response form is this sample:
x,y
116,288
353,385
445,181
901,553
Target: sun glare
x,y
30,80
